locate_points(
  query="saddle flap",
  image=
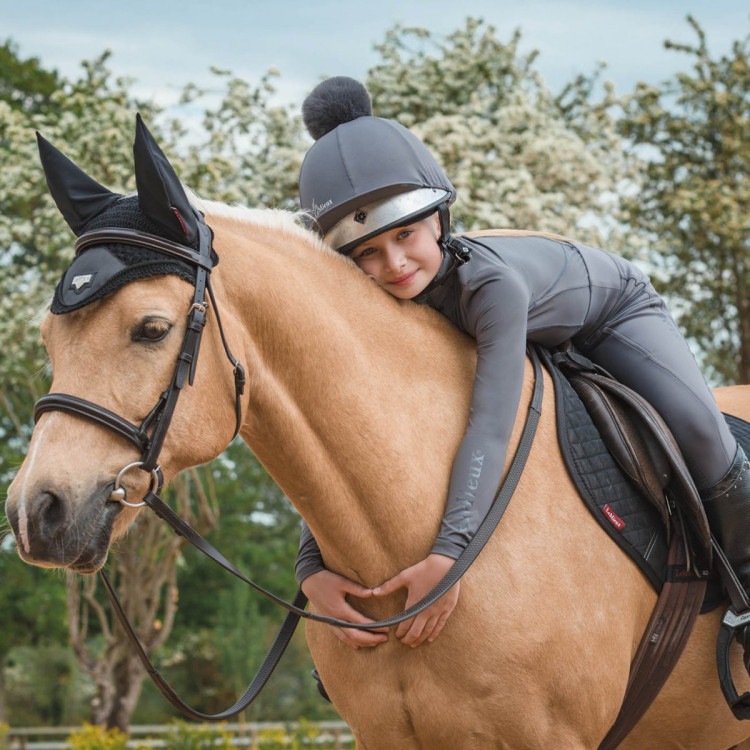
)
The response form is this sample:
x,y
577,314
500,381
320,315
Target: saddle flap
x,y
642,445
636,451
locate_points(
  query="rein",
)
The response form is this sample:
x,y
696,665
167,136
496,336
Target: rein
x,y
157,423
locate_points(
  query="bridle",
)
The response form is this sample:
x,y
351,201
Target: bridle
x,y
148,437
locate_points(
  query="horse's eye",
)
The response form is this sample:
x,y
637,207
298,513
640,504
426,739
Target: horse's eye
x,y
151,329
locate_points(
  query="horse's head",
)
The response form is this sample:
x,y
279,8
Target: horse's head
x,y
123,326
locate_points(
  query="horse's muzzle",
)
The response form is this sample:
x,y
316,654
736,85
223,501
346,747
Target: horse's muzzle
x,y
52,531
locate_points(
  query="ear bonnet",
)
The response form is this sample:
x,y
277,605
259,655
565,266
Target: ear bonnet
x,y
160,208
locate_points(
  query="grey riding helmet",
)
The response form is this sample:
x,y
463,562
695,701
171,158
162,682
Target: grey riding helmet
x,y
364,174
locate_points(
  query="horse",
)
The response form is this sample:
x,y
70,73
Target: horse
x,y
355,404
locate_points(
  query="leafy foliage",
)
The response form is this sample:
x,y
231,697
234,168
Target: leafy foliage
x,y
91,737
24,84
249,151
183,736
695,197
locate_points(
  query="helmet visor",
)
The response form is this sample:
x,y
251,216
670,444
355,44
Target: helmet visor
x,y
382,215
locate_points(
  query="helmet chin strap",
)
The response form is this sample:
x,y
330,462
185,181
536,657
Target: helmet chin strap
x,y
455,253
444,215
448,244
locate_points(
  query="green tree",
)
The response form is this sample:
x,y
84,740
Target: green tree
x,y
24,84
695,198
33,606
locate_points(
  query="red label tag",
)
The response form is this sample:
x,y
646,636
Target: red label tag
x,y
614,519
177,213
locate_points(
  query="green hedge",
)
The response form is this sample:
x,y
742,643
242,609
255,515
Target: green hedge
x,y
184,736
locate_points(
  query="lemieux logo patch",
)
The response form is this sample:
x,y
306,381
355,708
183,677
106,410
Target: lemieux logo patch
x,y
82,281
317,210
614,519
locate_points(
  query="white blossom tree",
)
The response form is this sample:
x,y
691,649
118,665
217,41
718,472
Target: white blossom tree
x,y
519,156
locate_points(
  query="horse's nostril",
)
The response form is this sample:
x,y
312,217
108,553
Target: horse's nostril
x,y
55,529
49,514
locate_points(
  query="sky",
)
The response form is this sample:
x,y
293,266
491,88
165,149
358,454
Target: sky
x,y
164,44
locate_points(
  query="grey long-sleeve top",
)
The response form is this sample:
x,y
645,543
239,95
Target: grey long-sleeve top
x,y
514,289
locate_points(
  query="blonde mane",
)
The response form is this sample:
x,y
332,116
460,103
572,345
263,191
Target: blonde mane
x,y
288,223
283,225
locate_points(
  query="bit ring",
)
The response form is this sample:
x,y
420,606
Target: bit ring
x,y
119,494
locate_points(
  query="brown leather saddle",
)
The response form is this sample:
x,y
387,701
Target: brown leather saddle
x,y
644,449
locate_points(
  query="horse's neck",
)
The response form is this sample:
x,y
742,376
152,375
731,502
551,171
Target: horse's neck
x,y
357,402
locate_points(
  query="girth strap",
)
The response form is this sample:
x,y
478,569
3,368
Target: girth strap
x,y
610,405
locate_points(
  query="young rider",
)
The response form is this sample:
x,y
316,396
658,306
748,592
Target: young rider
x,y
378,196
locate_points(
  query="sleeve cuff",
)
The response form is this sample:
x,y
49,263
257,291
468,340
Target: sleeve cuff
x,y
449,549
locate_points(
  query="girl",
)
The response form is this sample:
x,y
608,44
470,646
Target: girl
x,y
378,196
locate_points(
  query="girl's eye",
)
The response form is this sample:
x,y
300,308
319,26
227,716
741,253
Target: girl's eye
x,y
403,235
150,330
365,253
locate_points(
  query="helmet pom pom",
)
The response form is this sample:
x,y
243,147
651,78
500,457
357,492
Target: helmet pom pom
x,y
334,101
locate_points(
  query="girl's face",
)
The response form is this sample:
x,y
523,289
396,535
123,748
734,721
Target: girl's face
x,y
403,260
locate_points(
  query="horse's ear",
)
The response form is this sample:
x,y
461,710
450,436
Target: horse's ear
x,y
160,193
79,197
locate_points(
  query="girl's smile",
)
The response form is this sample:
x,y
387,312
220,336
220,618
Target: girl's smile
x,y
404,280
403,260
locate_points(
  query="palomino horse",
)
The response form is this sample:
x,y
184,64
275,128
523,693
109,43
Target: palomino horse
x,y
355,404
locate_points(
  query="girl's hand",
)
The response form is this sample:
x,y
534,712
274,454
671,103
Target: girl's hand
x,y
418,580
327,594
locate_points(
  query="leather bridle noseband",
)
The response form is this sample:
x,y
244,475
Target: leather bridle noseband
x,y
149,439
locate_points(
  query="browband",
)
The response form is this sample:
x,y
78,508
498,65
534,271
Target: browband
x,y
144,240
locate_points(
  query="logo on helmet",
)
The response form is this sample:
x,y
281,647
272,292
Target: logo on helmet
x,y
317,210
360,217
